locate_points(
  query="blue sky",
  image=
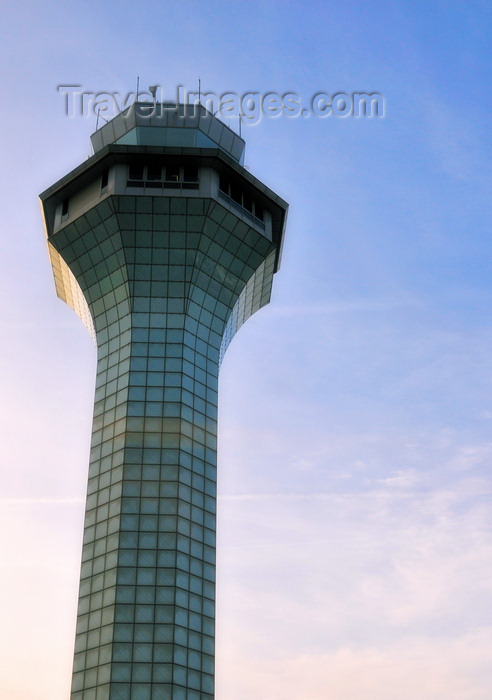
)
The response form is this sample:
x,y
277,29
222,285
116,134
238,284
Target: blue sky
x,y
355,527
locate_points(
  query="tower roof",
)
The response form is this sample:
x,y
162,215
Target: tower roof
x,y
166,124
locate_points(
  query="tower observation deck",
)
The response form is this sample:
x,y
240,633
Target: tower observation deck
x,y
164,245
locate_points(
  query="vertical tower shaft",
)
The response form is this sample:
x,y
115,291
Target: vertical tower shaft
x,y
164,244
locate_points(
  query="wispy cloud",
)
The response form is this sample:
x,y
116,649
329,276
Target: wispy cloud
x,y
344,306
389,588
455,669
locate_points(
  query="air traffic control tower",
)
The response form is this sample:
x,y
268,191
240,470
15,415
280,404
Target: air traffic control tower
x,y
164,245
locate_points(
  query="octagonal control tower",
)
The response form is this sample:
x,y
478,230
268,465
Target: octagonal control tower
x,y
164,245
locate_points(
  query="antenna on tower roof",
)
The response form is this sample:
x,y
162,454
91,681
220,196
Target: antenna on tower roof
x,y
98,114
199,100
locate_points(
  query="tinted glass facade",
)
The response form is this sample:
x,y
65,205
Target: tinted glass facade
x,y
167,281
